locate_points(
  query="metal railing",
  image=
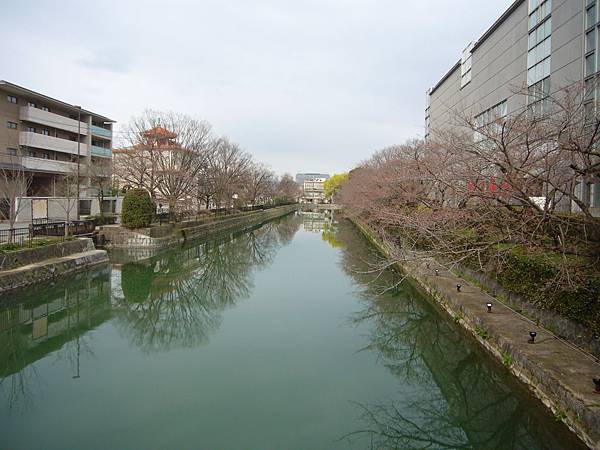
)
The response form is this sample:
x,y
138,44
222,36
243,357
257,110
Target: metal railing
x,y
40,228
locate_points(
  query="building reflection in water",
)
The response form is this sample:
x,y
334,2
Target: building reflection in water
x,y
49,318
320,221
452,394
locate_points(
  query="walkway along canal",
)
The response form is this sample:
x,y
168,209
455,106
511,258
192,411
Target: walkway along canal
x,y
280,337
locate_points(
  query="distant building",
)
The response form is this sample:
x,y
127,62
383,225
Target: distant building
x,y
302,177
49,142
313,191
157,153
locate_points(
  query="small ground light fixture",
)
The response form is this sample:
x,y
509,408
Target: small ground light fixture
x,y
596,385
437,272
532,335
489,306
458,287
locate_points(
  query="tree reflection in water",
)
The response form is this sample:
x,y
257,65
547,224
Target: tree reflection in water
x,y
451,395
176,299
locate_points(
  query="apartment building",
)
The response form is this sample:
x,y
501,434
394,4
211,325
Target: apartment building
x,y
49,142
536,47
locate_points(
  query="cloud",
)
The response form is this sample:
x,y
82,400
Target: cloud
x,y
110,59
312,85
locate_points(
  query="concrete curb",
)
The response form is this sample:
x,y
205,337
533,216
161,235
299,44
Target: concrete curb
x,y
50,269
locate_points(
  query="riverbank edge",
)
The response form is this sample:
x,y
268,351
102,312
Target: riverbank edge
x,y
82,257
119,237
121,255
574,408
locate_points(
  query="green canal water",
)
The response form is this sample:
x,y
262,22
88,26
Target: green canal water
x,y
281,337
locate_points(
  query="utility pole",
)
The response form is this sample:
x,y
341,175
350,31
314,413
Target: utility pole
x,y
78,158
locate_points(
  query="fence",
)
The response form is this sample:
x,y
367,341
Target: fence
x,y
25,236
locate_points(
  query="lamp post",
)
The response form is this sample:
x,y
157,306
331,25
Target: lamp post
x,y
78,157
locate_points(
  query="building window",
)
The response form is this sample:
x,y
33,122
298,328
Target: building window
x,y
490,121
11,99
592,64
539,43
31,153
46,155
45,132
11,125
31,129
595,194
538,11
45,108
85,207
31,104
466,65
590,15
538,98
11,151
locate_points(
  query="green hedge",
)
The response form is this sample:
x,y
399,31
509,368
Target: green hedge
x,y
138,209
575,294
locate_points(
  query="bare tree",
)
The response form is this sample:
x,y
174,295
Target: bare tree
x,y
258,183
229,166
287,188
164,153
489,187
14,183
100,181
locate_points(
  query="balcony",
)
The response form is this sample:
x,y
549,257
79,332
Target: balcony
x,y
94,192
101,132
36,164
48,165
100,170
36,140
36,115
101,151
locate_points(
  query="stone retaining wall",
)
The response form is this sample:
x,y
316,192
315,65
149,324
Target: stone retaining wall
x,y
81,255
119,237
11,260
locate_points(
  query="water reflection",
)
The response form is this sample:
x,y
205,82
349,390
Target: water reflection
x,y
53,319
172,300
320,221
452,396
175,300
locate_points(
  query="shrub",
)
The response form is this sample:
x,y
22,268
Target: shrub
x,y
138,209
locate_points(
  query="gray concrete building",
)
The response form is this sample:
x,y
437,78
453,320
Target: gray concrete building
x,y
44,144
535,47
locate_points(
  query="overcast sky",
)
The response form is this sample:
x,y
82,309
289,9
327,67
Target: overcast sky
x,y
311,85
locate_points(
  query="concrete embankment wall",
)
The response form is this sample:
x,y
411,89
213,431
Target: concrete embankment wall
x,y
555,371
31,266
119,237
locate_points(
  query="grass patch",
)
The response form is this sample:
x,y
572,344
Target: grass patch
x,y
35,243
482,332
507,360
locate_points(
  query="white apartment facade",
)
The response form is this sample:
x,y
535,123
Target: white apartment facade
x,y
45,144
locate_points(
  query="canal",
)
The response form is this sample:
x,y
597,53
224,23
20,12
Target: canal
x,y
281,337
